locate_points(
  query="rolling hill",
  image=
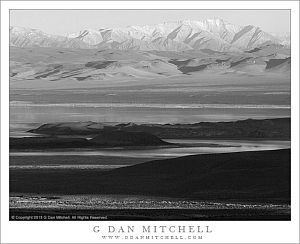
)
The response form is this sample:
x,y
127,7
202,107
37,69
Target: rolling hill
x,y
248,176
81,65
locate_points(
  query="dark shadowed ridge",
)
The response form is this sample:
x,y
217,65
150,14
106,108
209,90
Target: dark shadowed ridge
x,y
276,62
243,129
250,176
103,139
123,138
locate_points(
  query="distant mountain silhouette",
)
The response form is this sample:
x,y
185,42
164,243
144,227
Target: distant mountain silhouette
x,y
103,139
279,128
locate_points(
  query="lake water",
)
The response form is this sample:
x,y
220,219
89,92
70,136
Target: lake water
x,y
194,99
120,157
191,100
141,113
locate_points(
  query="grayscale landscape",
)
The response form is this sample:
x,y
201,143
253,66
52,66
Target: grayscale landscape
x,y
183,120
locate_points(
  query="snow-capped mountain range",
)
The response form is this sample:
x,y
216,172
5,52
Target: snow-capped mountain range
x,y
214,34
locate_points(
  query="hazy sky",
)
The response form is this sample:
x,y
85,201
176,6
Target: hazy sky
x,y
63,22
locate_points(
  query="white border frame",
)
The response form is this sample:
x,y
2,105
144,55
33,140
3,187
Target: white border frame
x,y
81,231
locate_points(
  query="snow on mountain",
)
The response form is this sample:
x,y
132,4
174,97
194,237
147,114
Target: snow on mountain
x,y
251,36
90,36
213,34
285,38
26,37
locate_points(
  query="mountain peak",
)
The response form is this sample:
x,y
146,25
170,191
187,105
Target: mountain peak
x,y
215,34
216,20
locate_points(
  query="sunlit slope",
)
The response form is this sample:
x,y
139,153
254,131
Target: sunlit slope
x,y
215,34
83,65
